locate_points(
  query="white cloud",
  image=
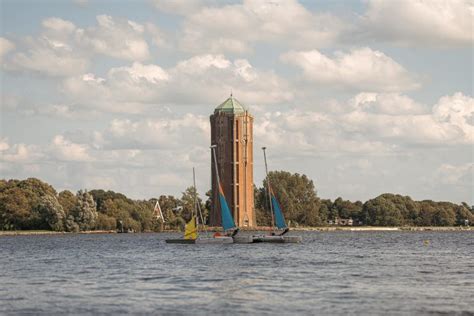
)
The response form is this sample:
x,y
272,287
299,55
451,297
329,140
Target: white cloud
x,y
63,49
447,124
119,38
138,72
19,153
48,58
53,52
219,29
180,7
373,124
201,79
362,69
456,174
169,132
205,78
387,103
418,22
4,144
59,26
5,47
65,150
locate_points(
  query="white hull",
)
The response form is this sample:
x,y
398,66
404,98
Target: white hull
x,y
243,239
238,240
215,240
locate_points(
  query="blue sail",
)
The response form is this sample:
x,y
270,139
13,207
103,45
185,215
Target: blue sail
x,y
279,219
227,220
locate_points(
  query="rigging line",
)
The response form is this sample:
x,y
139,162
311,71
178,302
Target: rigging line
x,y
245,135
269,190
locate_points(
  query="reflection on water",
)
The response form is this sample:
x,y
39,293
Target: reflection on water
x,y
329,273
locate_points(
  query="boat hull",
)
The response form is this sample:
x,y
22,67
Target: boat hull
x,y
277,239
181,241
215,240
243,239
201,241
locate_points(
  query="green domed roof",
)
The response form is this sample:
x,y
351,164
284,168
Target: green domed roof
x,y
231,105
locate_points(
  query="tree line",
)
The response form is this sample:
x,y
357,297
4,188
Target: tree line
x,y
32,204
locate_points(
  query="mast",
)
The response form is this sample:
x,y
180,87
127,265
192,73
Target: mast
x,y
197,207
194,195
213,148
159,214
268,188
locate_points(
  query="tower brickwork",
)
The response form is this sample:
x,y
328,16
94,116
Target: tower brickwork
x,y
232,132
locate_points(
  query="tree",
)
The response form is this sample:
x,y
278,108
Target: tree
x,y
347,209
105,222
51,213
463,213
68,201
297,196
381,211
262,210
85,212
15,208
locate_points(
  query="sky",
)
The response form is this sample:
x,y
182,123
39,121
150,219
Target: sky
x,y
364,97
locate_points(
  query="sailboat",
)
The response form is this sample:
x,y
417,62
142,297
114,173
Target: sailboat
x,y
227,222
191,227
278,220
191,235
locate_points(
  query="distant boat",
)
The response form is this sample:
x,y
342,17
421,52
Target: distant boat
x,y
278,220
191,235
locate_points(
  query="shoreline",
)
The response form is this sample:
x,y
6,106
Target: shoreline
x,y
297,229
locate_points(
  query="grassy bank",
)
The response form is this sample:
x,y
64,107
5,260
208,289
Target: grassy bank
x,y
49,232
212,229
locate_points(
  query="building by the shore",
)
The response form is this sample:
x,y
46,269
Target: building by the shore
x,y
232,132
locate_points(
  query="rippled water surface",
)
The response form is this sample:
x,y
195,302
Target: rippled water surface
x,y
329,273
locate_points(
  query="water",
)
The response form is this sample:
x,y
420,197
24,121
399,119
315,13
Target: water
x,y
329,273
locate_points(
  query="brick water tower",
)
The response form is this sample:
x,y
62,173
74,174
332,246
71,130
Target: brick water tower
x,y
232,133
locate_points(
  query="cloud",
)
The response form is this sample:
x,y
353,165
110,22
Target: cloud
x,y
62,49
143,157
5,47
148,156
180,7
19,153
444,23
164,133
4,144
53,53
447,124
114,37
219,29
387,103
58,26
462,174
370,123
202,79
65,150
360,69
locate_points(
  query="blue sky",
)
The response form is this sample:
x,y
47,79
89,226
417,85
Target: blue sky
x,y
364,97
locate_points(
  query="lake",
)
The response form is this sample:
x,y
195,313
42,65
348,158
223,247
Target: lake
x,y
329,273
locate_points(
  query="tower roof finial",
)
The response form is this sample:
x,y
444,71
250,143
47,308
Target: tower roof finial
x,y
231,92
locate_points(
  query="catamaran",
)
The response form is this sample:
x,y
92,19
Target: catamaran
x,y
278,220
191,235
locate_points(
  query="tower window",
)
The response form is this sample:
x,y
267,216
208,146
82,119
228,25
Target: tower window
x,y
237,136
